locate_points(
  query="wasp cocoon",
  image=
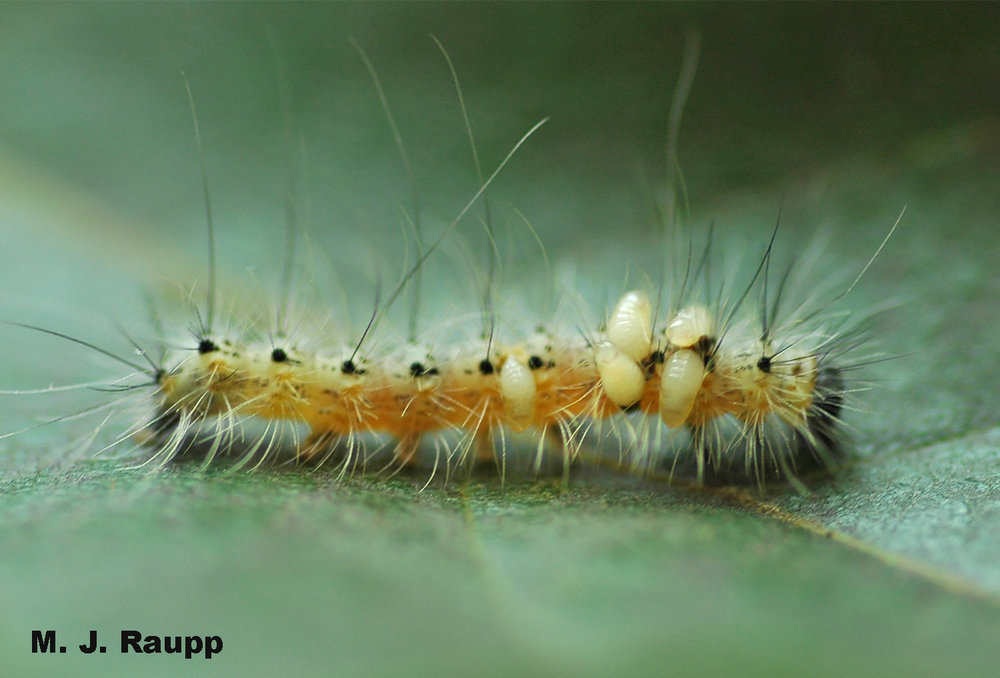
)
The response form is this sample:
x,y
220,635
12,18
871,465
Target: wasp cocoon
x,y
680,381
630,325
622,378
517,386
690,325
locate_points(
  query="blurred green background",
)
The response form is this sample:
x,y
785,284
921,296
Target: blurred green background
x,y
839,115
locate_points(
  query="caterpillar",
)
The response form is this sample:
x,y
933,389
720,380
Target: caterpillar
x,y
757,390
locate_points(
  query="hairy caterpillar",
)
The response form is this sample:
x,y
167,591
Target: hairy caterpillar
x,y
757,389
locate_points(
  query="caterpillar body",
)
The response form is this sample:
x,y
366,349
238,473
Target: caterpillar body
x,y
756,395
680,373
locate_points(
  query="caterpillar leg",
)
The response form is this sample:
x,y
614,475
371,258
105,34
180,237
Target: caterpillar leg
x,y
484,443
405,452
317,446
